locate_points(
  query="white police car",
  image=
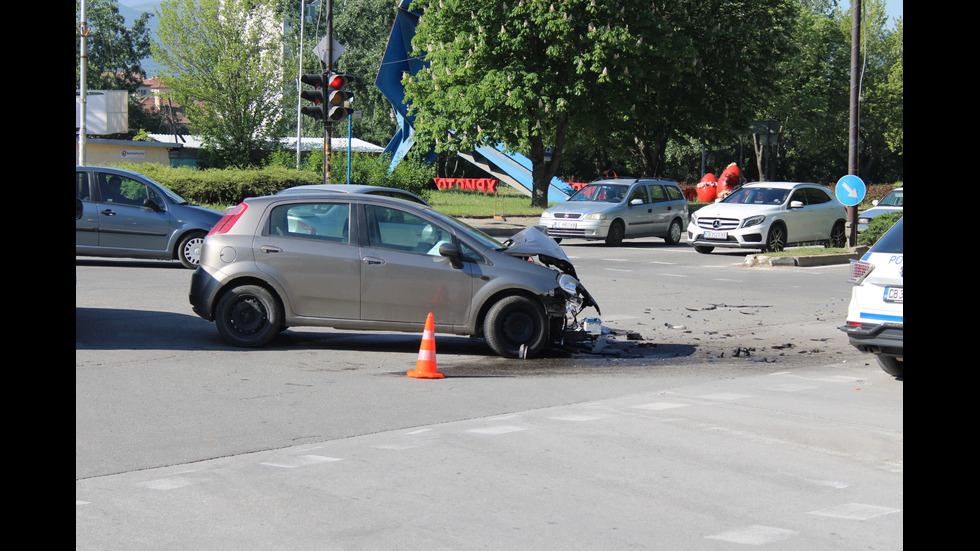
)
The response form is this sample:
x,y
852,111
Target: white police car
x,y
875,315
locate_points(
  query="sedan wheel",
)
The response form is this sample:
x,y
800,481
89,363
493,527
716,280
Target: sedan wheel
x,y
248,316
514,323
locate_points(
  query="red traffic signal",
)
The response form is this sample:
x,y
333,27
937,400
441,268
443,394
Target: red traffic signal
x,y
337,97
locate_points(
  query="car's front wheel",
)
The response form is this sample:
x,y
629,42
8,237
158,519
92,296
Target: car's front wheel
x,y
776,241
189,250
516,326
248,316
616,233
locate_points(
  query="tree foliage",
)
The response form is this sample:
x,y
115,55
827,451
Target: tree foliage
x,y
113,51
222,61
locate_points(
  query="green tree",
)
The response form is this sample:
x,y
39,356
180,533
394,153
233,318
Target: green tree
x,y
222,60
113,51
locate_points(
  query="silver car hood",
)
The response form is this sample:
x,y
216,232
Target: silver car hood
x,y
535,241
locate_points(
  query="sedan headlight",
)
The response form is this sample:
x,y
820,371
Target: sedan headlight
x,y
753,221
595,216
547,214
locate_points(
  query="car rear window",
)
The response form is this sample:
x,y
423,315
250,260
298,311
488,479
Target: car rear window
x,y
892,242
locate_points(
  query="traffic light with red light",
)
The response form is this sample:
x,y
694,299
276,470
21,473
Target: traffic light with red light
x,y
337,108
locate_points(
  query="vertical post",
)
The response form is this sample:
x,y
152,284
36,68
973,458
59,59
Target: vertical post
x,y
299,85
83,32
853,158
327,130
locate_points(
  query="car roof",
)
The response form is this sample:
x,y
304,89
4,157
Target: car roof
x,y
780,185
631,181
362,189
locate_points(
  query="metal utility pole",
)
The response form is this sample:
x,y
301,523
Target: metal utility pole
x,y
328,69
299,86
853,159
83,32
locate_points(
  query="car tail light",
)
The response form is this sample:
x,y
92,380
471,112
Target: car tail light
x,y
229,219
859,270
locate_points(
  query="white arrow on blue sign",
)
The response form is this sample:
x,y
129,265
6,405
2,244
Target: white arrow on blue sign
x,y
850,190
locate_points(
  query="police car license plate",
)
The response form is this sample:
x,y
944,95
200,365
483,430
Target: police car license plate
x,y
716,235
894,294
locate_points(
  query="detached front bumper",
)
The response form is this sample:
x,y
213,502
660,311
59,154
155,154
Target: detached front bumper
x,y
877,338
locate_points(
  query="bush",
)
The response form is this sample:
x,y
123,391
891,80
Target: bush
x,y
877,227
223,186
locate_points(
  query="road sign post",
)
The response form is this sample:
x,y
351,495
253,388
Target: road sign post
x,y
850,191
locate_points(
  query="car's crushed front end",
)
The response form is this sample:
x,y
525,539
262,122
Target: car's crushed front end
x,y
569,298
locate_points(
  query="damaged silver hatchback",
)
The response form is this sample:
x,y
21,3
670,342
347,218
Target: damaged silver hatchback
x,y
373,263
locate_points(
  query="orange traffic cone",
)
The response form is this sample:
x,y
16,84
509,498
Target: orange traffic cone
x,y
425,367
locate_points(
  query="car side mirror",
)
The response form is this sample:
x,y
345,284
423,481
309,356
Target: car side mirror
x,y
78,208
796,204
150,204
451,252
636,201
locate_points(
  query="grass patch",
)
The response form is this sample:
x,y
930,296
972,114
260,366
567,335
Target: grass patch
x,y
463,204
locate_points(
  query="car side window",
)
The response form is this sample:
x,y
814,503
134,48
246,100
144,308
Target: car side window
x,y
639,192
816,196
394,229
122,190
674,193
658,194
799,195
319,221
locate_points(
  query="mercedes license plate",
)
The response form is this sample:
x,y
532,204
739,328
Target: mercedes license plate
x,y
716,235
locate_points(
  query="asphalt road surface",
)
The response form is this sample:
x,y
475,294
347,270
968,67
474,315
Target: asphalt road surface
x,y
721,409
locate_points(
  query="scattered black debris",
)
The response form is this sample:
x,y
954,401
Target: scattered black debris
x,y
738,352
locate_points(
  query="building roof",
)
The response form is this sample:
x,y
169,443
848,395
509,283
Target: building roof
x,y
306,144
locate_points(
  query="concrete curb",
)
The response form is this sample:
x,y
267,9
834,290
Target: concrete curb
x,y
806,260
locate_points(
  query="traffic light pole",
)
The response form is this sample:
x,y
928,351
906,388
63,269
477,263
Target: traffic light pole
x,y
328,68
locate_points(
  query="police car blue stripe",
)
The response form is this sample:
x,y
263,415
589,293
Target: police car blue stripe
x,y
881,317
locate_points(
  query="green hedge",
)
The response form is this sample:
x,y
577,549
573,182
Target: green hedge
x,y
223,186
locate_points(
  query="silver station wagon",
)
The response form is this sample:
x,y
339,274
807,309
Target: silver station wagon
x,y
617,209
354,261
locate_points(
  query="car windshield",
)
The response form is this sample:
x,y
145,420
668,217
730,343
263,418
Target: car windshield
x,y
892,241
893,199
758,196
604,193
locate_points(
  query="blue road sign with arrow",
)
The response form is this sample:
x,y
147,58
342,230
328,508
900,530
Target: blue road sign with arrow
x,y
850,190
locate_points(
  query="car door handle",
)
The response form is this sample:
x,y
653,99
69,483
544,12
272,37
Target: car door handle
x,y
372,260
270,249
109,212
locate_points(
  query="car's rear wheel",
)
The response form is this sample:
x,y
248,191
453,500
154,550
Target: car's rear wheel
x,y
673,236
189,249
891,365
838,236
248,316
515,322
616,233
776,241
